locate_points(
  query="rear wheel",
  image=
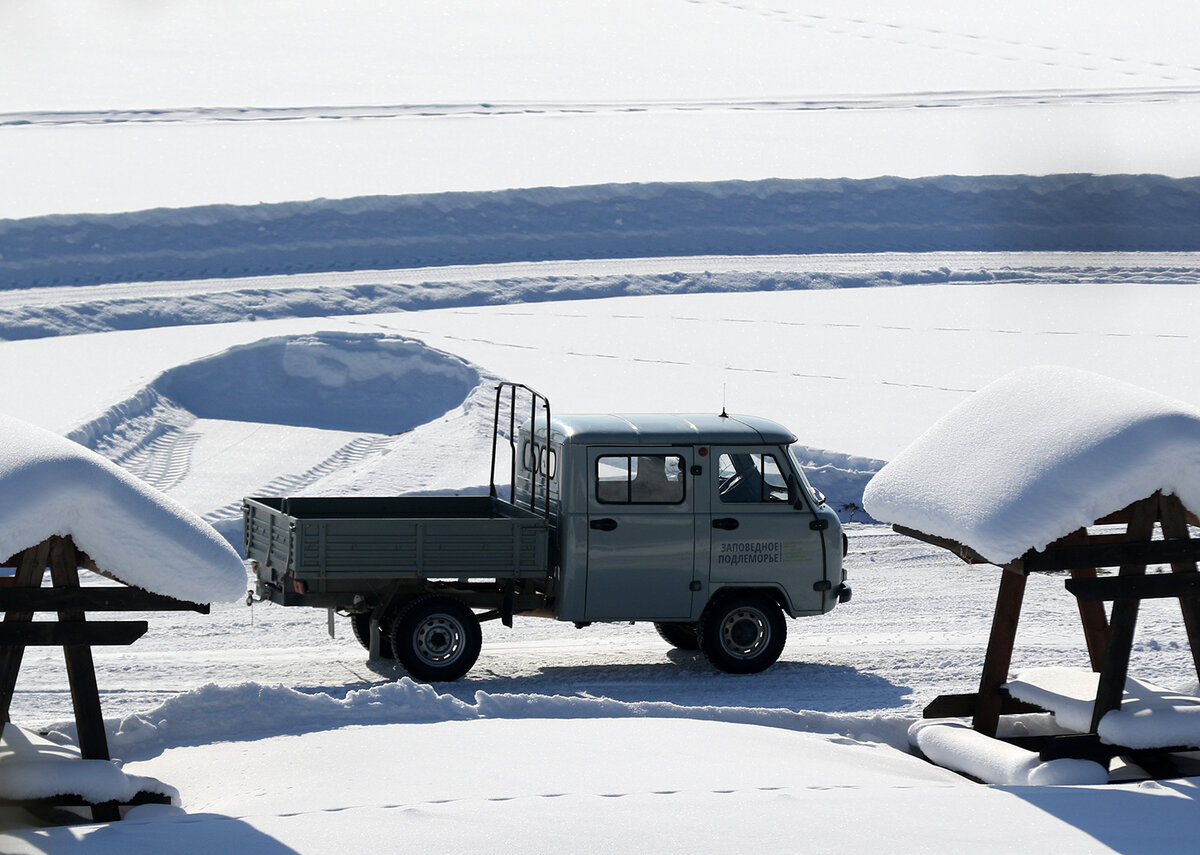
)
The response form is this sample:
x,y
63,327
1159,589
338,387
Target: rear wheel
x,y
436,638
742,632
680,635
361,624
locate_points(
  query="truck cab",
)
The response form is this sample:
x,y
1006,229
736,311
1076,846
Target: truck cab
x,y
703,524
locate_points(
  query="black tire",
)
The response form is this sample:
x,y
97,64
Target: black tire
x,y
742,632
361,625
680,635
436,638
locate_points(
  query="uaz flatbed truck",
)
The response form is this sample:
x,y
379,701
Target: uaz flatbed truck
x,y
702,524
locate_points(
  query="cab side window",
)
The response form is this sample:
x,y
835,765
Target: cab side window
x,y
650,479
746,477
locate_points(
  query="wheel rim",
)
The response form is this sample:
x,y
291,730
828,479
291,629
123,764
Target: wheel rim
x,y
745,632
439,640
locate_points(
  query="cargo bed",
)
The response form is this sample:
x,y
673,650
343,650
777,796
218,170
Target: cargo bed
x,y
321,543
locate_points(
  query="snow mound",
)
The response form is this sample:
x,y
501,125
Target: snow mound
x,y
50,485
374,383
1035,455
250,711
1149,717
33,768
955,745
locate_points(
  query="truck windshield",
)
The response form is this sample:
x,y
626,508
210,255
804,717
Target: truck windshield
x,y
816,496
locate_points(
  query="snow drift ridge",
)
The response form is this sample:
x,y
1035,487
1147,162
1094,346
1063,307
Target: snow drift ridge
x,y
949,213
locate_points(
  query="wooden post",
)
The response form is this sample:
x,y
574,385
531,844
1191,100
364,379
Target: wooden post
x,y
30,570
1115,669
998,658
1091,614
81,668
1174,518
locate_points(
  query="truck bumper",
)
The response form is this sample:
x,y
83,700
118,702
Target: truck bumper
x,y
844,593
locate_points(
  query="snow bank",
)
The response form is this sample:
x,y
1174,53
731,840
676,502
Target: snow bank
x,y
52,486
955,745
1149,717
73,310
1037,454
252,711
1000,213
374,383
841,477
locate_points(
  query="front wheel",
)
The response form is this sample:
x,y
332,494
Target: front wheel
x,y
742,632
436,638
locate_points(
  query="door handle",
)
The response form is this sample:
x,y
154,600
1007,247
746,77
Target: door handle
x,y
726,523
605,524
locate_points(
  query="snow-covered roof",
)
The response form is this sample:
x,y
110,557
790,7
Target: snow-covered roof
x,y
1035,455
50,485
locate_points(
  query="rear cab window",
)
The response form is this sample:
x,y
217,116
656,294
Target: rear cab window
x,y
640,479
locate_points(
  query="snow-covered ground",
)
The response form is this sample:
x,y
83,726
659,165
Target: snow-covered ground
x,y
218,705
170,102
282,740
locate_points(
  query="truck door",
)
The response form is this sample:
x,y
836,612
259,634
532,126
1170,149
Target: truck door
x,y
641,534
758,538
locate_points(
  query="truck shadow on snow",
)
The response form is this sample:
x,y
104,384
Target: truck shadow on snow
x,y
682,679
688,680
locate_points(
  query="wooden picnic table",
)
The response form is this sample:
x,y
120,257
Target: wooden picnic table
x,y
1124,540
22,595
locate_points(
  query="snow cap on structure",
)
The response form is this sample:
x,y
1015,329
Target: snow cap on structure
x,y
1035,455
50,485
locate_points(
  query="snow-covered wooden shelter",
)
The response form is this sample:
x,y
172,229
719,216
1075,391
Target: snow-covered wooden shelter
x,y
62,508
1056,469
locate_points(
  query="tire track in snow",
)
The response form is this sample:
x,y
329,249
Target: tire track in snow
x,y
968,44
349,454
882,101
164,461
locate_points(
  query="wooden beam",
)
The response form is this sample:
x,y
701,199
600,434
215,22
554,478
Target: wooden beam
x,y
30,569
81,669
91,599
1154,586
1094,620
963,551
998,658
62,633
1175,518
1092,616
1113,554
1110,687
1079,746
964,705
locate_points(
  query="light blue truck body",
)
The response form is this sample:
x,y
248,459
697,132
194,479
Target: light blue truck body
x,y
660,518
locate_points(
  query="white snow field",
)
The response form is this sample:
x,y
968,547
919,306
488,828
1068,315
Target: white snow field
x,y
327,347
273,101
